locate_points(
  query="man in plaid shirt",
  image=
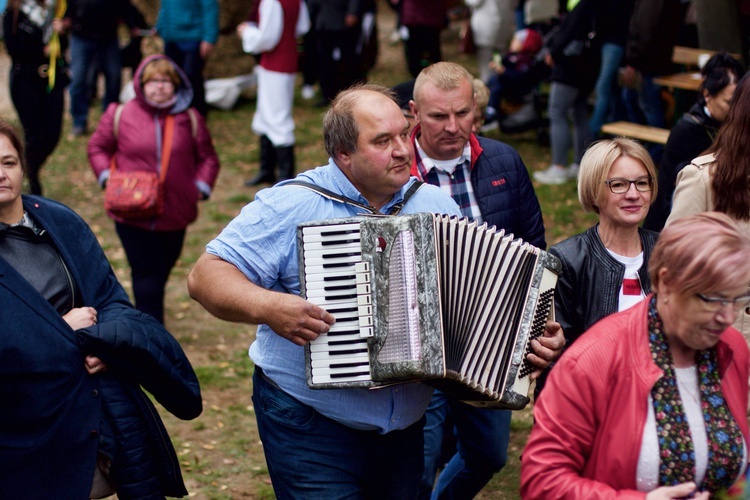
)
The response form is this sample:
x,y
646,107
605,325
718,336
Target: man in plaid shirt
x,y
490,183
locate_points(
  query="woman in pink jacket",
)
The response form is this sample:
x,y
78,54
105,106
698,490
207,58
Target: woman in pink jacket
x,y
651,401
132,135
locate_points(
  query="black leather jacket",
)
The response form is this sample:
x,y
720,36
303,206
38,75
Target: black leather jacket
x,y
588,288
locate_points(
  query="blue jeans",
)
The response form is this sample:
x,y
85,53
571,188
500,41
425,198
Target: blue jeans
x,y
482,437
86,57
564,101
313,457
650,108
187,56
606,85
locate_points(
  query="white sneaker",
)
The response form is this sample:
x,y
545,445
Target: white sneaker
x,y
308,92
573,170
553,175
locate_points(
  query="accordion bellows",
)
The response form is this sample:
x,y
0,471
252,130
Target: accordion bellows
x,y
425,297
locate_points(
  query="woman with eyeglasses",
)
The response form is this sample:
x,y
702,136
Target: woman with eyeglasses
x,y
604,269
651,402
718,180
133,136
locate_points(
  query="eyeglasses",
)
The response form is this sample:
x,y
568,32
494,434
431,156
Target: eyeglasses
x,y
155,82
716,304
618,185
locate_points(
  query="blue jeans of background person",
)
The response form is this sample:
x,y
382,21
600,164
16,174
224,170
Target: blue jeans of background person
x,y
313,457
606,86
86,58
151,255
482,437
650,108
187,55
564,101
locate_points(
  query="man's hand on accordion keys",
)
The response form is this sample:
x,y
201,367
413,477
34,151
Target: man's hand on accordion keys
x,y
547,348
298,320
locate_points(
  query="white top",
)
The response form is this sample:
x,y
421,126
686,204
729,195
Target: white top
x,y
631,290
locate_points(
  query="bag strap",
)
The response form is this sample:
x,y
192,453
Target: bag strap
x,y
193,121
166,150
115,132
395,210
116,120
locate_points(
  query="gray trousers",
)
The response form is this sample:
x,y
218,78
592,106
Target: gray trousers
x,y
567,102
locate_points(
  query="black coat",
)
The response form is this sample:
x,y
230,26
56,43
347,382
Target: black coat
x,y
588,287
576,48
691,136
54,416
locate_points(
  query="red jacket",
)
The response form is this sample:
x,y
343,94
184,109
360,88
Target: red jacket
x,y
193,165
589,420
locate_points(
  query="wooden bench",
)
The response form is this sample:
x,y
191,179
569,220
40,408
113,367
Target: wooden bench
x,y
637,131
691,57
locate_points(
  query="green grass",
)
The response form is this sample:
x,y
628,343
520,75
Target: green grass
x,y
220,453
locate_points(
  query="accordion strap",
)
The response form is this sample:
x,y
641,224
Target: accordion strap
x,y
395,210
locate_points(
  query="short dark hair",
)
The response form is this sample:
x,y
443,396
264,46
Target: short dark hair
x,y
720,71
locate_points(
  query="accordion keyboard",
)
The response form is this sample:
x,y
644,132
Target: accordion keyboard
x,y
337,280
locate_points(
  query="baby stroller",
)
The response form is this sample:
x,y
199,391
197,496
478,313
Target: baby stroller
x,y
522,105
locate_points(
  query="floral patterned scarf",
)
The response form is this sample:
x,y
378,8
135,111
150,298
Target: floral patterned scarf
x,y
725,441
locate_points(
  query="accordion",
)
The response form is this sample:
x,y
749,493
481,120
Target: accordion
x,y
425,297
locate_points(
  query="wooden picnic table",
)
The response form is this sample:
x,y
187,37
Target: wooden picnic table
x,y
684,81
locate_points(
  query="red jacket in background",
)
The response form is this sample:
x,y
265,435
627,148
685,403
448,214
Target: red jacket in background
x,y
193,165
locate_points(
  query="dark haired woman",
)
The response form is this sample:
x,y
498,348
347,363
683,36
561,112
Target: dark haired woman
x,y
695,131
718,180
74,354
37,92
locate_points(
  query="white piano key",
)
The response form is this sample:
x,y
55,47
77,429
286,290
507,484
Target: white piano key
x,y
322,233
315,248
330,292
327,339
331,266
362,300
358,267
341,326
349,293
343,280
327,379
333,259
331,277
343,371
330,350
321,360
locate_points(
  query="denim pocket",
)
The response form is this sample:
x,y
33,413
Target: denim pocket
x,y
279,406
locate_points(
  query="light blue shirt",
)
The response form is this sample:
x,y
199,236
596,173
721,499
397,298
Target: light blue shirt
x,y
262,242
